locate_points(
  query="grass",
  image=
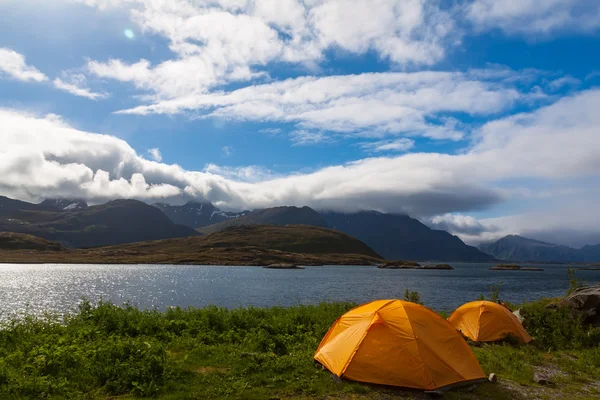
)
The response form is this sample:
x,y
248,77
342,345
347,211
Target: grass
x,y
104,351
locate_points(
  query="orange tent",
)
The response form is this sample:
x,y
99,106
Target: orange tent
x,y
397,343
486,321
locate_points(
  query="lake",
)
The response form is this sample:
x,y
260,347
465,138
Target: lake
x,y
59,288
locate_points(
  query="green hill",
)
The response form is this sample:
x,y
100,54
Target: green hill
x,y
20,241
243,245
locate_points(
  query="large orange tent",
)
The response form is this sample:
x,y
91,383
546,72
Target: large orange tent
x,y
486,321
397,343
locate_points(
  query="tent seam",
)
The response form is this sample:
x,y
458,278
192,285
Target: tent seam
x,y
375,314
419,348
479,321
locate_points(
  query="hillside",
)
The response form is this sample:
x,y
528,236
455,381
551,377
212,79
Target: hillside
x,y
518,248
400,237
196,215
20,241
272,216
116,222
246,245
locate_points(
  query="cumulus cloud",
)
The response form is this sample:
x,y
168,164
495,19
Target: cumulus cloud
x,y
535,16
155,154
216,42
75,85
13,65
555,143
369,104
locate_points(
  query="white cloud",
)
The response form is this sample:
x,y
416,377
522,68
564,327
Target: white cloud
x,y
270,131
370,104
75,84
399,145
14,66
535,16
227,150
462,225
155,154
216,42
557,84
304,137
558,143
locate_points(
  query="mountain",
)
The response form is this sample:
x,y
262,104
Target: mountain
x,y
63,204
116,222
590,253
238,245
518,248
8,205
196,215
392,236
272,216
401,237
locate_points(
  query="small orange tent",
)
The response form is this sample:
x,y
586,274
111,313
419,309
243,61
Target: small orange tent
x,y
486,321
397,343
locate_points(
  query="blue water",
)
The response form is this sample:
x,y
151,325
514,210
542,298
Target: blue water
x,y
58,288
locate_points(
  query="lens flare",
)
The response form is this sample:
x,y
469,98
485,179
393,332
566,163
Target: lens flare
x,y
129,34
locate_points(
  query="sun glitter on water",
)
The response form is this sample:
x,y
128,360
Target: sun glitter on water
x,y
129,34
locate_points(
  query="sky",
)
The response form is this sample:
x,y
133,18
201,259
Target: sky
x,y
480,117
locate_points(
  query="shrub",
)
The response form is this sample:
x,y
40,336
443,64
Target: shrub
x,y
557,328
413,297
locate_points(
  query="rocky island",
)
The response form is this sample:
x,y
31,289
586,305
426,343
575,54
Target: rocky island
x,y
411,265
511,267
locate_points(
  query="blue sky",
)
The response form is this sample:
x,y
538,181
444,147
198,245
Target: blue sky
x,y
457,112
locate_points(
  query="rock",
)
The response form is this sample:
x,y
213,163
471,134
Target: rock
x,y
542,379
437,266
510,267
505,267
283,266
411,265
399,264
493,378
336,379
586,302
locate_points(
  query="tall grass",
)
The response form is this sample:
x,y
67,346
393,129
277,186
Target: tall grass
x,y
108,350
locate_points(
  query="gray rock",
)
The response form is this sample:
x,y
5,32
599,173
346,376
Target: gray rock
x,y
586,302
542,379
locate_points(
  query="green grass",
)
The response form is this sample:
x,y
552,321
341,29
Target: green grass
x,y
105,351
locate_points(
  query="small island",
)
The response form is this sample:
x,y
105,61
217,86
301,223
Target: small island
x,y
411,265
588,269
283,266
512,267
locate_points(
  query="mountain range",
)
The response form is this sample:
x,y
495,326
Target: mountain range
x,y
518,248
394,236
116,222
74,224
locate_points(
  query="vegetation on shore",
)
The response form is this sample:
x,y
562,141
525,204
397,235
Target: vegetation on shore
x,y
103,351
258,245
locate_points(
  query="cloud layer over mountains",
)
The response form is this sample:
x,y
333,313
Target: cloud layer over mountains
x,y
523,136
45,157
